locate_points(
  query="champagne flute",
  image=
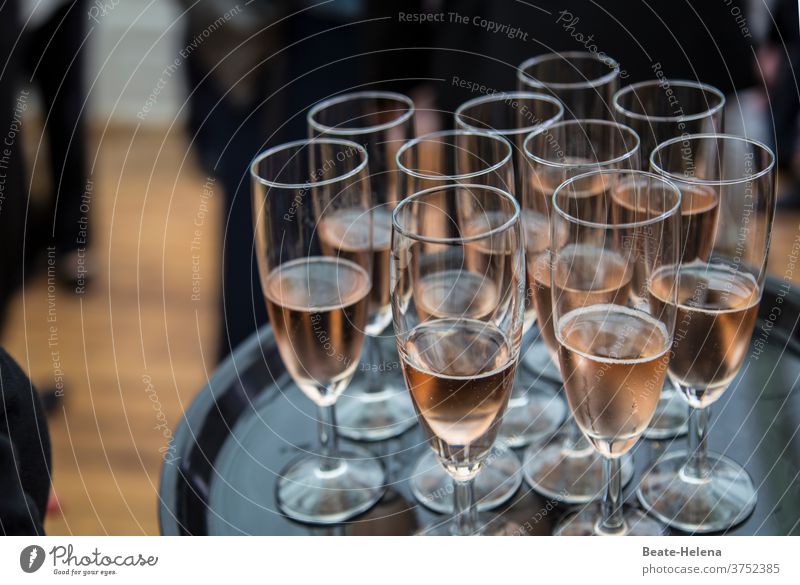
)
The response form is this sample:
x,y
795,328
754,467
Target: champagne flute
x,y
459,359
613,351
567,468
534,413
432,160
376,406
659,110
318,307
717,306
583,81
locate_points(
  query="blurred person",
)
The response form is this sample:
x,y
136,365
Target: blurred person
x,y
54,45
460,49
232,110
486,41
24,453
13,104
783,44
249,89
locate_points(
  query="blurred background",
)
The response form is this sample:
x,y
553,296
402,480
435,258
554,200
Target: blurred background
x,y
126,262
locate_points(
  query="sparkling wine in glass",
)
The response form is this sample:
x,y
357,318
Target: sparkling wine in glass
x,y
453,157
459,359
459,372
376,405
319,308
327,294
567,468
659,110
717,305
613,350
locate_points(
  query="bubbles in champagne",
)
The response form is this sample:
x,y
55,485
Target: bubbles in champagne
x,y
318,310
460,373
363,237
456,293
614,361
716,313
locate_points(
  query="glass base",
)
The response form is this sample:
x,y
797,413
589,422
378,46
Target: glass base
x,y
532,416
488,525
374,416
496,483
567,475
672,415
308,494
586,522
722,500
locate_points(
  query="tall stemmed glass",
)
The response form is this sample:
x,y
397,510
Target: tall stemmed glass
x,y
659,110
567,468
318,307
530,419
376,405
459,359
717,304
613,349
446,158
584,82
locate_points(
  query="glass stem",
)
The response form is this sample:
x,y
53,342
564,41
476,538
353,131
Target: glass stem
x,y
327,438
373,355
519,391
575,442
527,340
697,465
465,522
613,521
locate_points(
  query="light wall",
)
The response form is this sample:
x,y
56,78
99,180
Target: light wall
x,y
133,45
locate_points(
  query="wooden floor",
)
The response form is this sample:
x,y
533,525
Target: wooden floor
x,y
136,348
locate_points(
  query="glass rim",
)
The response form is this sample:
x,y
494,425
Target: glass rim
x,y
674,210
440,133
671,83
678,178
514,218
588,121
406,114
529,80
262,156
505,97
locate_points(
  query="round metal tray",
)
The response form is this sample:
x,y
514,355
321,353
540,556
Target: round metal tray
x,y
250,420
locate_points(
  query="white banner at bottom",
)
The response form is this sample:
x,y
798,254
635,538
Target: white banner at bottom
x,y
389,560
